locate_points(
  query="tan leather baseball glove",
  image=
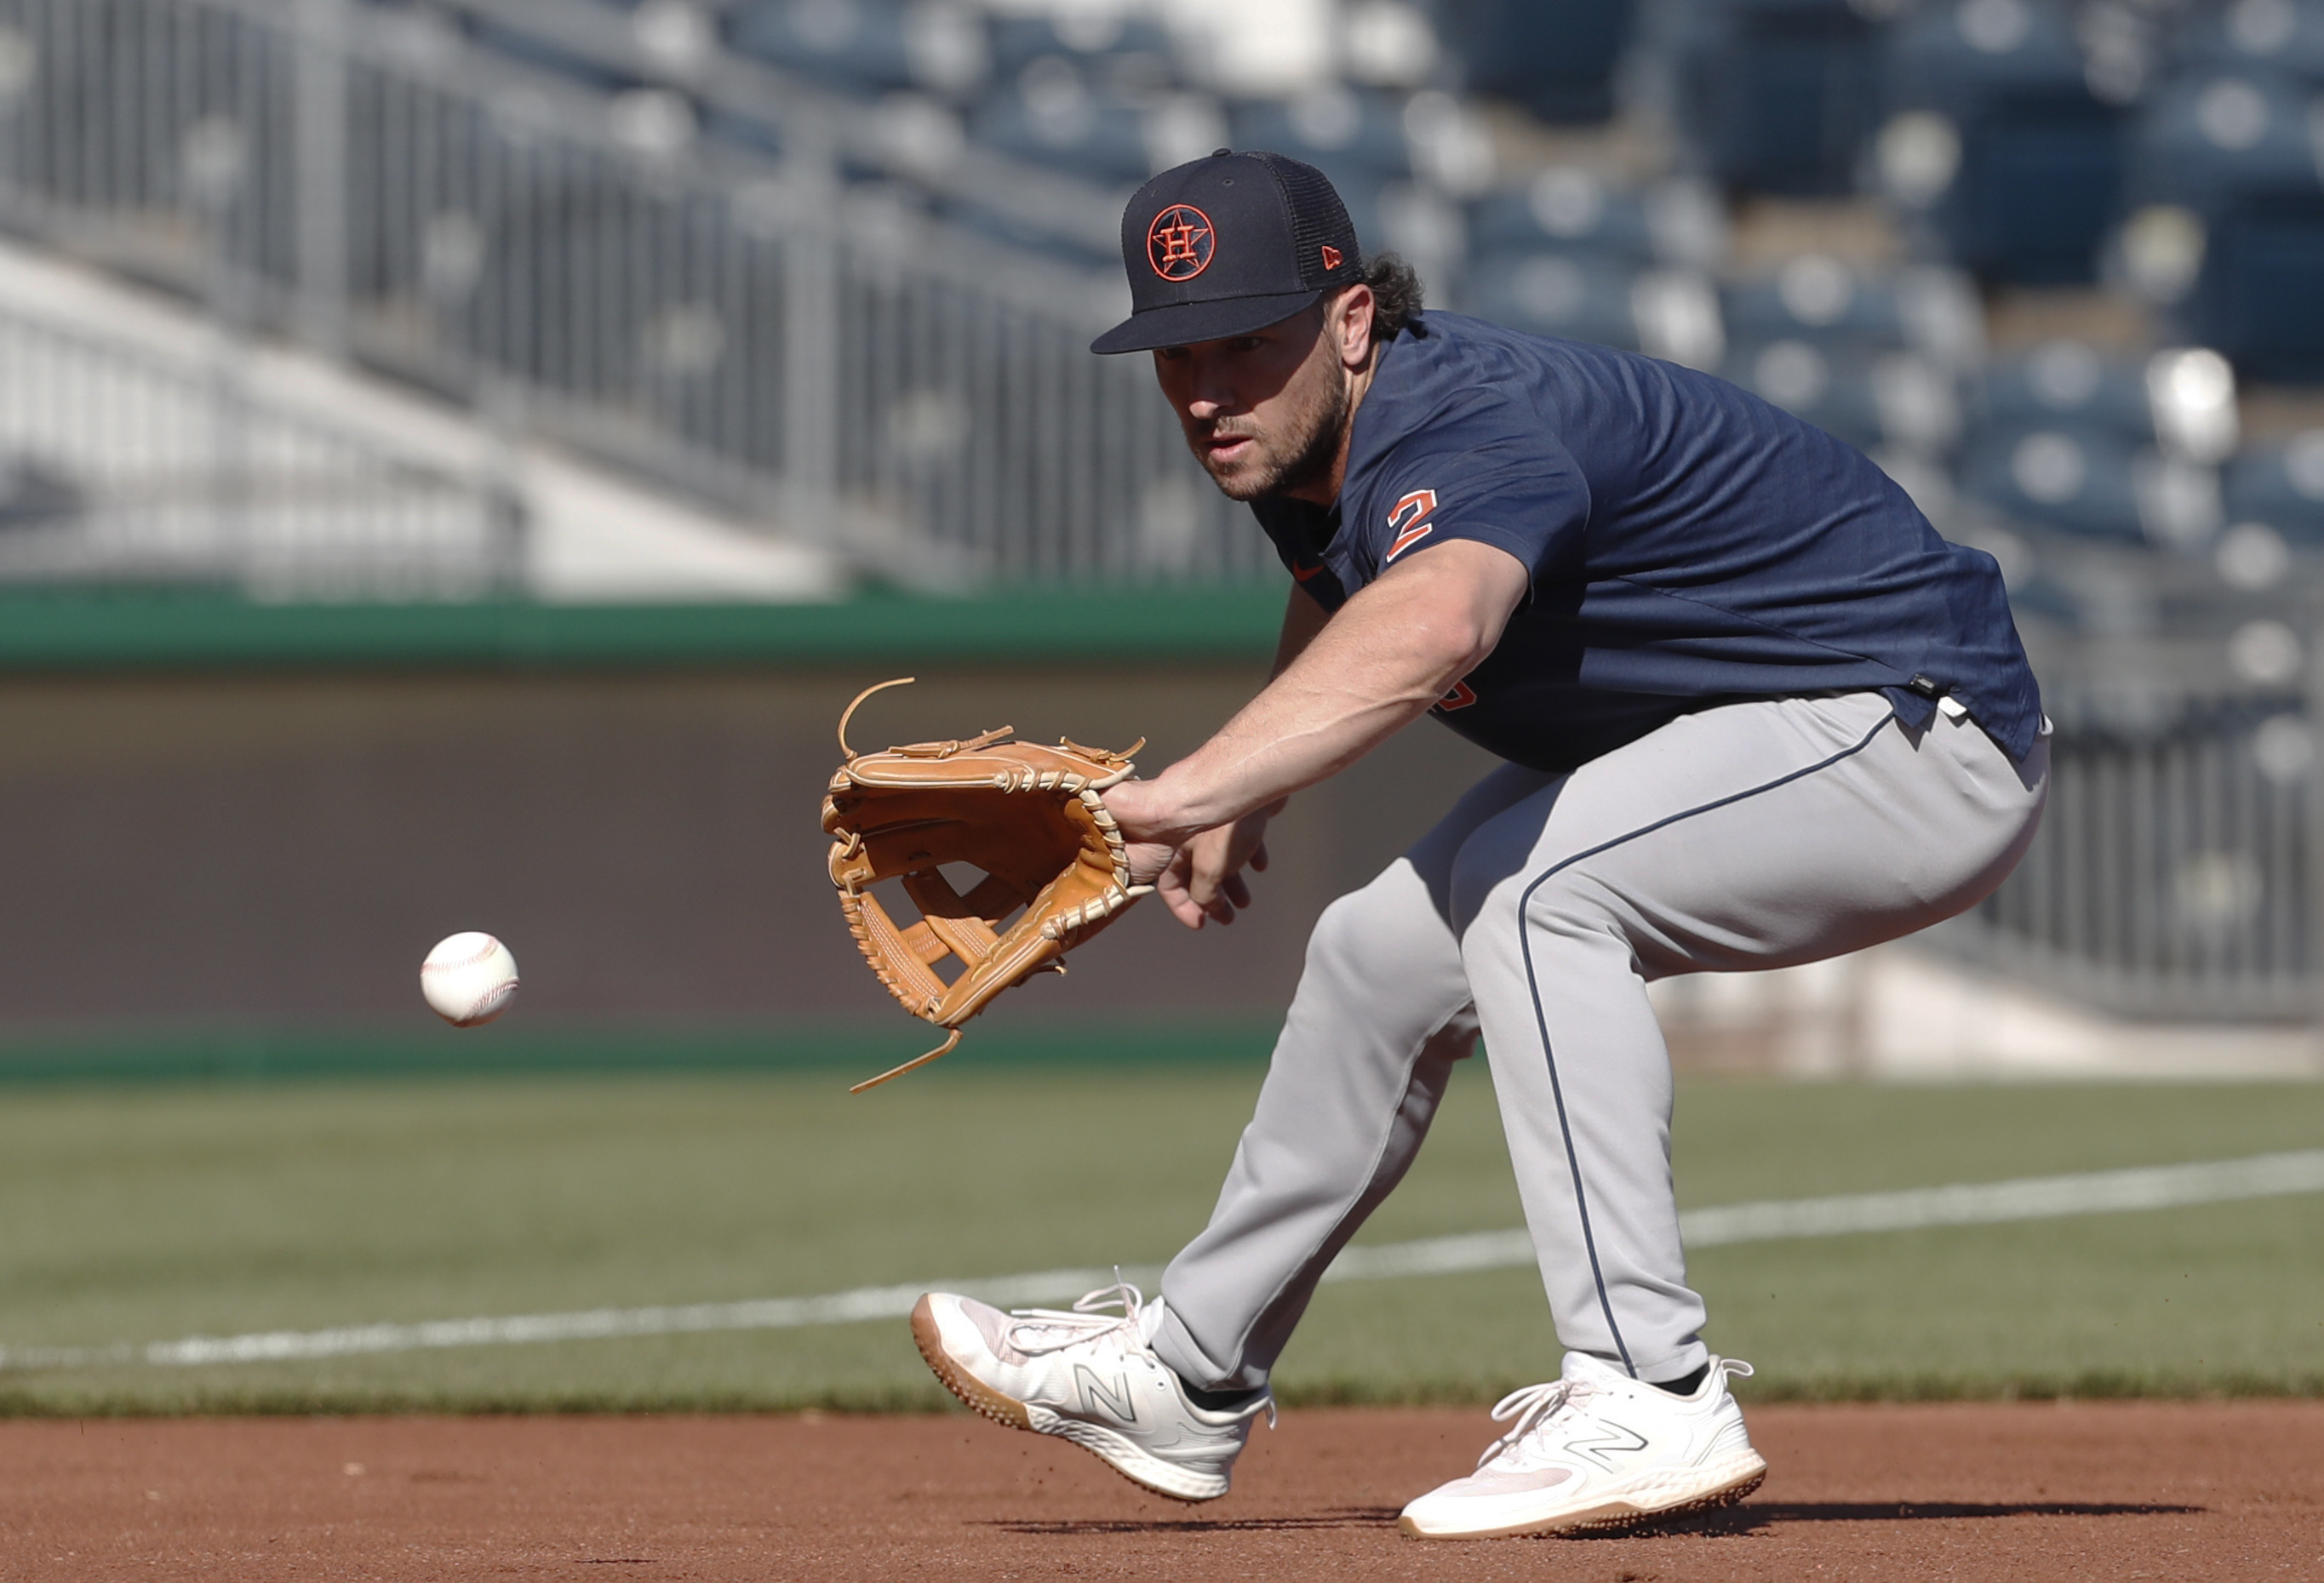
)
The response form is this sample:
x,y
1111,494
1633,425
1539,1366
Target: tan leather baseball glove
x,y
1030,817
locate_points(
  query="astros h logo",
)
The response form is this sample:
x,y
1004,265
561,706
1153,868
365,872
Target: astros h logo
x,y
1180,242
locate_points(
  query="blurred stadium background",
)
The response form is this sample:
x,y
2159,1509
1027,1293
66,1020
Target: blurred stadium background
x,y
457,455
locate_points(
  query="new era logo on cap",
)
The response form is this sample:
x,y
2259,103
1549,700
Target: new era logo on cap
x,y
1227,245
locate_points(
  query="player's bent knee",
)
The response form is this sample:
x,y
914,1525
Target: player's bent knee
x,y
1378,935
1354,938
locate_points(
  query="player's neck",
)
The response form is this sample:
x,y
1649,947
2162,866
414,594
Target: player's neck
x,y
1325,488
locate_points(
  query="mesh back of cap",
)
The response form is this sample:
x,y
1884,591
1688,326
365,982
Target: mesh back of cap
x,y
1318,220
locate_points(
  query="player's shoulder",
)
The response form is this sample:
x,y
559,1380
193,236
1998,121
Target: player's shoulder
x,y
1568,384
1451,437
1461,398
1453,382
1455,346
1441,354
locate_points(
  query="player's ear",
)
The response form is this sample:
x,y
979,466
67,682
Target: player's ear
x,y
1349,322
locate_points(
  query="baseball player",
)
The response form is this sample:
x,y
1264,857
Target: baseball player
x,y
1753,712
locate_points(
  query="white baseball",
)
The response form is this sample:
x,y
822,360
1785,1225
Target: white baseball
x,y
469,979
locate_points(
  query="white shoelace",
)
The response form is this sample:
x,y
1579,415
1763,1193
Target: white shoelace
x,y
1053,1330
1084,1321
1537,1406
1531,1407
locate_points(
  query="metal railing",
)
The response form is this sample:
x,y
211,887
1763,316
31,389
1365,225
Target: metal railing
x,y
120,462
578,259
2177,871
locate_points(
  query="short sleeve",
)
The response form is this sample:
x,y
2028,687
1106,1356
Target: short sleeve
x,y
1492,473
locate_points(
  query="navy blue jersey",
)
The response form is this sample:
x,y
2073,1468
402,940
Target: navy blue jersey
x,y
1689,544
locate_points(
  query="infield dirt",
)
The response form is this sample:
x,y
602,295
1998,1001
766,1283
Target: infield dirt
x,y
2118,1490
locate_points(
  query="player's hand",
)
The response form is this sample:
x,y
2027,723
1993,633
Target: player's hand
x,y
1198,876
1150,842
1206,879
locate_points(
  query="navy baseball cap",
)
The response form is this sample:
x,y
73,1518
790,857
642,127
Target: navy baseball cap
x,y
1227,245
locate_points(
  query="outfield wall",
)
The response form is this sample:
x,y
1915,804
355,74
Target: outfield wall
x,y
225,817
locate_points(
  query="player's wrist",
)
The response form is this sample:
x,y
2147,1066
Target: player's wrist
x,y
1160,810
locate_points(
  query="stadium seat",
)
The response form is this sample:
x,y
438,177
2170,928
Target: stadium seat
x,y
1128,46
1892,401
1054,115
2281,37
1569,208
1579,297
1775,96
1927,309
1996,133
2068,382
1557,60
869,46
1336,129
2215,140
2282,486
1668,313
2230,161
1830,387
1051,116
2077,479
1861,356
1819,297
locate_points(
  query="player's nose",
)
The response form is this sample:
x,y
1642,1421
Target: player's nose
x,y
1209,384
1207,398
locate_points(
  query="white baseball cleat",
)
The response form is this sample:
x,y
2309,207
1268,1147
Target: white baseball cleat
x,y
1598,1449
1089,1377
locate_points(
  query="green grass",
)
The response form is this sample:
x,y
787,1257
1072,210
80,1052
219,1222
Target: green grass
x,y
148,1212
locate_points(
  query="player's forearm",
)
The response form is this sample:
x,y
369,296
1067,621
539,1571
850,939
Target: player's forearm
x,y
1304,729
1377,665
1303,619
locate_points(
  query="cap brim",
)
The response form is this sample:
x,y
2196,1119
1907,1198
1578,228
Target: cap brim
x,y
1182,324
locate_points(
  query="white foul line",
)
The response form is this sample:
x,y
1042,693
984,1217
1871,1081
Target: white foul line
x,y
2029,1197
2033,1197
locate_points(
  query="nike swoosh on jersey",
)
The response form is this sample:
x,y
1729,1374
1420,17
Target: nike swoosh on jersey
x,y
1307,574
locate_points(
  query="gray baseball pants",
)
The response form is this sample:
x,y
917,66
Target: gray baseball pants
x,y
1752,835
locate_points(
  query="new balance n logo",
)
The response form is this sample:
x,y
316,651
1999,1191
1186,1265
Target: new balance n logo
x,y
1110,1398
1609,1441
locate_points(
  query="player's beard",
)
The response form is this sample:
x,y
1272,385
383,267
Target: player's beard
x,y
1298,455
